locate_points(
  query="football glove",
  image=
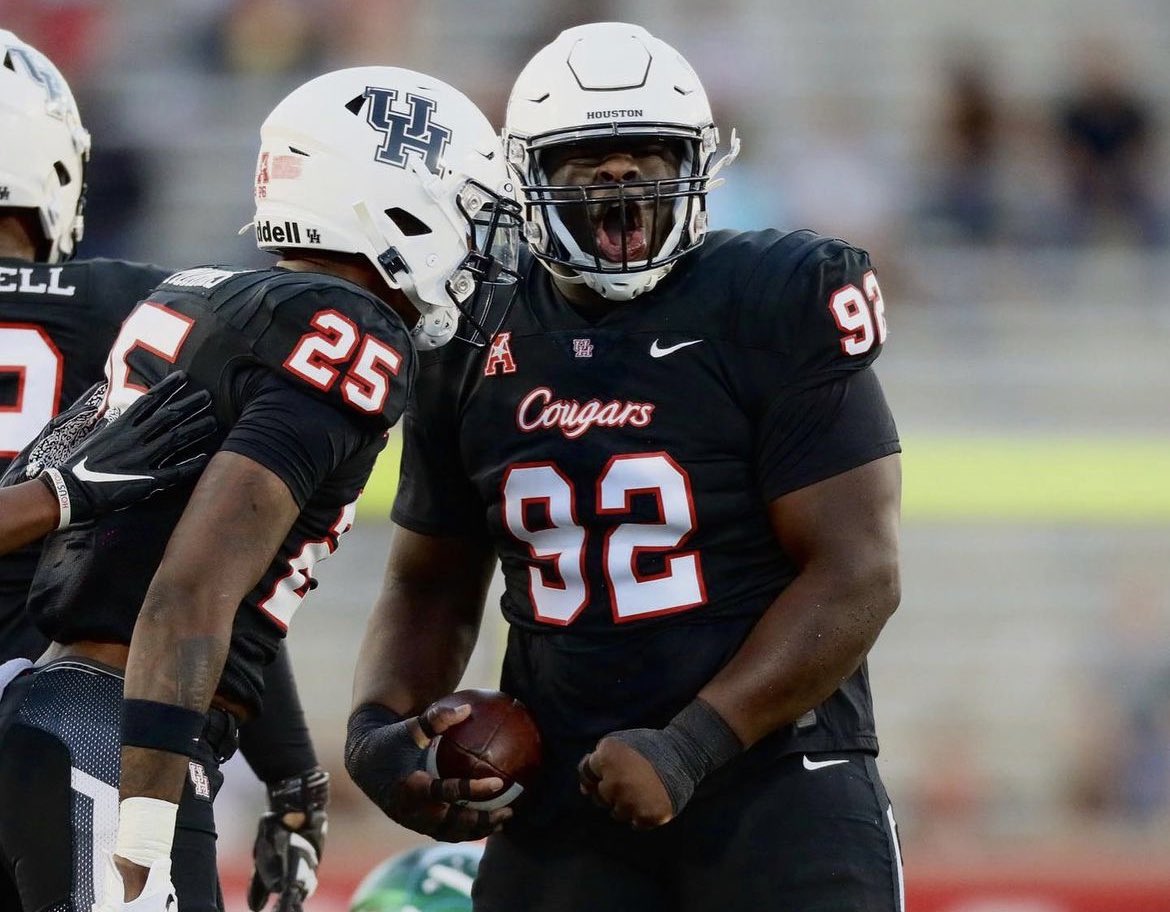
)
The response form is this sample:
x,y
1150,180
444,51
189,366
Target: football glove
x,y
151,446
286,858
157,896
58,438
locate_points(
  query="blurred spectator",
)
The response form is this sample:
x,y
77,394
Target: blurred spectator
x,y
71,33
1107,131
965,204
266,37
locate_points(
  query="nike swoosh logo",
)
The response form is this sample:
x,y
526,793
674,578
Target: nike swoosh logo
x,y
657,351
81,473
820,764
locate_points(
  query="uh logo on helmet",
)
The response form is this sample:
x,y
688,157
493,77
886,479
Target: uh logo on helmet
x,y
403,170
410,131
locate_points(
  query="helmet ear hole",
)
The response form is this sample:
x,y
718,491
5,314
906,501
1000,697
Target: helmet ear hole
x,y
62,173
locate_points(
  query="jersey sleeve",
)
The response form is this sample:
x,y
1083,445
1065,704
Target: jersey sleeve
x,y
823,431
435,495
300,438
339,345
807,375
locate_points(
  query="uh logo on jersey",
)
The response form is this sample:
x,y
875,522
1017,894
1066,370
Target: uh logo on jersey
x,y
409,132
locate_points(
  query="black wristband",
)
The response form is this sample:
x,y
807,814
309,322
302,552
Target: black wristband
x,y
161,726
711,741
369,716
696,742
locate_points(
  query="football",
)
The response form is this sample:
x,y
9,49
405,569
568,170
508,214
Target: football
x,y
499,738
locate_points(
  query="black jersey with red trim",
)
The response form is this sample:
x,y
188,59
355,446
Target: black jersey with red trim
x,y
622,468
56,325
307,372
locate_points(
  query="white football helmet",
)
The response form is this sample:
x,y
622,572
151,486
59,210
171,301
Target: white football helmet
x,y
43,146
404,170
600,81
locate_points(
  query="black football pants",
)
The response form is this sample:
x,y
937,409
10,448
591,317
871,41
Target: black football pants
x,y
783,837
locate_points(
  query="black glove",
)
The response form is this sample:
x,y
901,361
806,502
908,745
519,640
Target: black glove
x,y
58,438
152,445
286,858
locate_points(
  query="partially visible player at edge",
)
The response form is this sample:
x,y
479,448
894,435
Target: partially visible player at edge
x,y
679,451
385,236
58,319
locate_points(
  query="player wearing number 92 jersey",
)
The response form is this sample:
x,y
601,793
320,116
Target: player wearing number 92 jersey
x,y
307,372
621,469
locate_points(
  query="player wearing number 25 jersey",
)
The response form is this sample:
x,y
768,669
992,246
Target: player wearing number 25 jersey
x,y
306,372
308,364
679,451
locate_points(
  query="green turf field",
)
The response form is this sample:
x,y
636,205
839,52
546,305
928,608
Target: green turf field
x,y
1016,479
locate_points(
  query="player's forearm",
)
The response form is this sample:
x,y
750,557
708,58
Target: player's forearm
x,y
415,650
425,623
28,512
812,637
177,656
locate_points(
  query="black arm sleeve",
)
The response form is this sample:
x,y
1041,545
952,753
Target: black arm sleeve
x,y
276,743
298,437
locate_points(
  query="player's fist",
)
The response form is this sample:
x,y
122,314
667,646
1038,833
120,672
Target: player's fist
x,y
621,780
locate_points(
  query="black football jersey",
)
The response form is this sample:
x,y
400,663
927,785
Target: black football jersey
x,y
306,372
622,468
56,325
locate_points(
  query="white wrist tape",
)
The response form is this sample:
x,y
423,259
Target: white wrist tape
x,y
146,829
62,492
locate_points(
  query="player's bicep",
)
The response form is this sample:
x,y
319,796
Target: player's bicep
x,y
845,526
230,530
297,437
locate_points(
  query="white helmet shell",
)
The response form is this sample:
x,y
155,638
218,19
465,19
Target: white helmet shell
x,y
45,148
395,166
599,81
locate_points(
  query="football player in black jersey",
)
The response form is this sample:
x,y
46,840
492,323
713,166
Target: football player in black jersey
x,y
380,190
678,449
58,318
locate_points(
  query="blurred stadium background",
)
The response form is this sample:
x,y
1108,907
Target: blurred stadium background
x,y
1006,163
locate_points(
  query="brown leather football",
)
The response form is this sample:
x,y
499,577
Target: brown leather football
x,y
499,738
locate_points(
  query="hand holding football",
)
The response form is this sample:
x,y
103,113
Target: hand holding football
x,y
499,738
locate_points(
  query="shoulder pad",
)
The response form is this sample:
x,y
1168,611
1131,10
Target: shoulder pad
x,y
817,301
119,284
325,335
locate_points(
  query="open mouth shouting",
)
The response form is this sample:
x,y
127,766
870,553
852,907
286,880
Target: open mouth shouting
x,y
620,233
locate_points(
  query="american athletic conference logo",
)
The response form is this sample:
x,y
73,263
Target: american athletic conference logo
x,y
406,132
